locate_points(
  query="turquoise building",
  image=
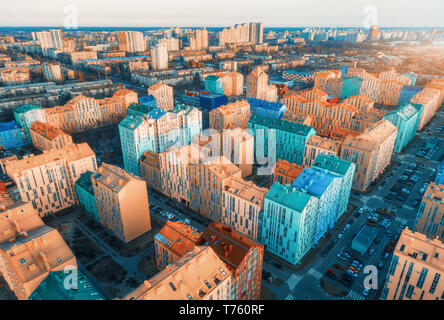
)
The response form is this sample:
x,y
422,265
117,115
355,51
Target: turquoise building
x,y
135,139
326,187
11,135
286,139
190,123
26,115
85,195
343,168
53,288
351,86
289,222
140,109
406,119
214,84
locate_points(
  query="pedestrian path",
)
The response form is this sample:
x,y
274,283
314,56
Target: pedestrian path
x,y
293,281
289,297
401,220
354,296
315,273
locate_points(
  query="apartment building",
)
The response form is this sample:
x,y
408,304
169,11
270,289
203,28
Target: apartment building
x,y
430,217
29,250
234,114
429,99
26,115
173,241
371,151
317,145
121,201
48,180
242,256
258,88
415,269
285,172
198,275
131,41
163,94
243,206
46,137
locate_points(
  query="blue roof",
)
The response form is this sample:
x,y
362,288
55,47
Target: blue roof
x,y
5,126
156,113
314,181
146,99
116,58
265,104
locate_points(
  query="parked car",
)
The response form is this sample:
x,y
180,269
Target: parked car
x,y
365,292
339,267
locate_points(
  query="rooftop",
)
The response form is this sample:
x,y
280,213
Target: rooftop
x,y
288,196
178,237
282,125
332,163
46,130
314,181
246,190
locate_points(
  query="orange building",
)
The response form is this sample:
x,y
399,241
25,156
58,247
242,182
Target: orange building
x,y
121,201
429,99
84,113
230,115
439,85
48,180
416,268
430,219
29,249
173,241
163,94
46,137
199,275
243,206
243,256
285,172
316,145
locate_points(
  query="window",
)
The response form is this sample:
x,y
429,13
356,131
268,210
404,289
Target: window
x,y
402,248
173,287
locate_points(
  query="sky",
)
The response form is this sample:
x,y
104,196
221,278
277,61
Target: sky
x,y
212,13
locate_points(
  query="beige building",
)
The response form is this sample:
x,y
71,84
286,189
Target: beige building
x,y
121,201
163,94
430,219
131,41
159,57
429,99
46,137
319,145
52,72
243,206
233,84
258,88
371,151
234,114
199,275
48,180
416,270
29,249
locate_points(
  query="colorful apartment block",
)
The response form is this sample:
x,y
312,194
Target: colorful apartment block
x,y
289,222
285,172
26,115
266,109
83,113
85,195
416,269
29,250
234,114
351,86
326,187
199,275
243,257
157,131
285,139
46,137
371,151
319,145
258,88
243,206
429,99
406,119
48,180
439,85
430,217
344,169
163,94
11,136
121,201
361,103
173,241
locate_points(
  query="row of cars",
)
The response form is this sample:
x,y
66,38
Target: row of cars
x,y
170,216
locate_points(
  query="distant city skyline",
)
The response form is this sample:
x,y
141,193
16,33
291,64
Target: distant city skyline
x,y
197,13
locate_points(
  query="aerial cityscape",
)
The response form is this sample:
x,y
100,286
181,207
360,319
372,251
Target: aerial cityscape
x,y
238,154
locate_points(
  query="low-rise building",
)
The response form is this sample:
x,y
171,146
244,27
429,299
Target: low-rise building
x,y
46,137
